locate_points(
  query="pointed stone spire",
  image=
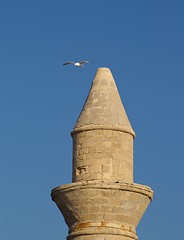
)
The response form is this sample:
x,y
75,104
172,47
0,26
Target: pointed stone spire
x,y
103,136
103,107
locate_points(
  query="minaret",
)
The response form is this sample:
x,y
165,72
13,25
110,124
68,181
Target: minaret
x,y
102,202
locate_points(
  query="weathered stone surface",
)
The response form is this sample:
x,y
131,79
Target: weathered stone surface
x,y
102,202
103,105
106,154
103,136
102,207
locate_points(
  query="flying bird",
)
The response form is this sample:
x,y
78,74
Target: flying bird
x,y
77,64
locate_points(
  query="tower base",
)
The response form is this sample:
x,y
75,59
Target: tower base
x,y
102,209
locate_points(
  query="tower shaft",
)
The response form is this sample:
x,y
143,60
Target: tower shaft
x,y
102,202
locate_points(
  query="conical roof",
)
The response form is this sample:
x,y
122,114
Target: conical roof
x,y
103,107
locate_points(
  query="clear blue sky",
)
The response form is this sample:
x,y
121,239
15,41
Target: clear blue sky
x,y
142,42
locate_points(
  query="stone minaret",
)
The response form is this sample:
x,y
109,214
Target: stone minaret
x,y
102,202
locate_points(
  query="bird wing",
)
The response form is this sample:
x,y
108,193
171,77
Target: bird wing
x,y
69,62
83,61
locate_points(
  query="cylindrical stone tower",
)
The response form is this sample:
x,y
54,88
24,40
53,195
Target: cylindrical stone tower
x,y
102,202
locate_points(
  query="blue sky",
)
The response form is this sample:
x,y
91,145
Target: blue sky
x,y
142,42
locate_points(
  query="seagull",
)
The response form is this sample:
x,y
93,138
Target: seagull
x,y
77,64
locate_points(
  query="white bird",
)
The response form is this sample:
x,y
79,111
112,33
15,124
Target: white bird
x,y
77,64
